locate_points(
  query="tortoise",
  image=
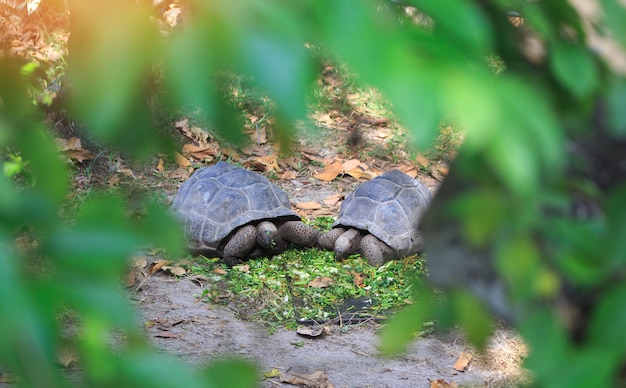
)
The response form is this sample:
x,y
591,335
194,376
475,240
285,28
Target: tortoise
x,y
380,219
235,214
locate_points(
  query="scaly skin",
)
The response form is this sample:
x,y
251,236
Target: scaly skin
x,y
375,251
240,244
298,233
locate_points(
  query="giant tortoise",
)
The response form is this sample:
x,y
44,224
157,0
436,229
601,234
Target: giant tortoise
x,y
380,219
233,213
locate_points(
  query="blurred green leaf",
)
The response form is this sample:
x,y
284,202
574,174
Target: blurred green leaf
x,y
231,373
472,315
616,102
158,226
574,67
614,14
608,320
397,333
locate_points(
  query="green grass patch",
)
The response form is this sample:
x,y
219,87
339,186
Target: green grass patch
x,y
286,289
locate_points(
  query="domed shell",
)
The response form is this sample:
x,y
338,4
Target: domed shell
x,y
218,199
390,207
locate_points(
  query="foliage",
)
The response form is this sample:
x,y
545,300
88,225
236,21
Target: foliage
x,y
513,170
311,285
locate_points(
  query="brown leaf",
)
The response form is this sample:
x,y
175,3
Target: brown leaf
x,y
166,334
359,173
380,121
350,164
331,171
289,175
333,200
159,166
157,265
220,271
357,278
308,205
317,379
174,270
321,282
180,173
310,331
231,153
443,384
263,163
181,160
422,160
462,361
139,261
113,181
245,268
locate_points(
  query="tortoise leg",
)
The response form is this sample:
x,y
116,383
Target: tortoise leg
x,y
375,251
240,244
347,243
298,233
328,239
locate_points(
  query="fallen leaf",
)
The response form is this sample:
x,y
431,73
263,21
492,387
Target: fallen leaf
x,y
174,270
443,170
350,164
317,379
422,160
442,384
157,265
180,173
271,373
333,200
289,175
113,181
310,331
321,282
331,171
357,278
182,161
220,271
243,268
358,173
308,205
264,163
159,166
462,361
380,121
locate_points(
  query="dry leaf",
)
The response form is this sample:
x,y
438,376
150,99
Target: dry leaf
x,y
350,164
139,261
308,205
358,173
263,163
357,278
317,379
243,268
159,166
220,271
443,384
113,181
182,161
380,121
463,361
180,173
271,373
174,270
321,282
333,200
422,160
443,170
310,331
289,175
331,171
157,265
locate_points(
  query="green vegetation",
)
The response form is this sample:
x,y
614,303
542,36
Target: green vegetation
x,y
311,285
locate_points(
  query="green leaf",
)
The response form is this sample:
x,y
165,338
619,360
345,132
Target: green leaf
x,y
616,98
231,373
398,333
614,13
609,319
574,68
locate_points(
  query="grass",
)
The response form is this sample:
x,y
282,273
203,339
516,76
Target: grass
x,y
283,291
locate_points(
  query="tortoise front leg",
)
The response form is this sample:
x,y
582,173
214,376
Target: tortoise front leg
x,y
240,244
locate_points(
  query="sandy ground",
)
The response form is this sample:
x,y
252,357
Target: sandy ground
x,y
196,332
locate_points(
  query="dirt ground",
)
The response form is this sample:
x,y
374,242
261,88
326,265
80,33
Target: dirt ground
x,y
195,332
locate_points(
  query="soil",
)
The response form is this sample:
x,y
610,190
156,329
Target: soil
x,y
196,332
